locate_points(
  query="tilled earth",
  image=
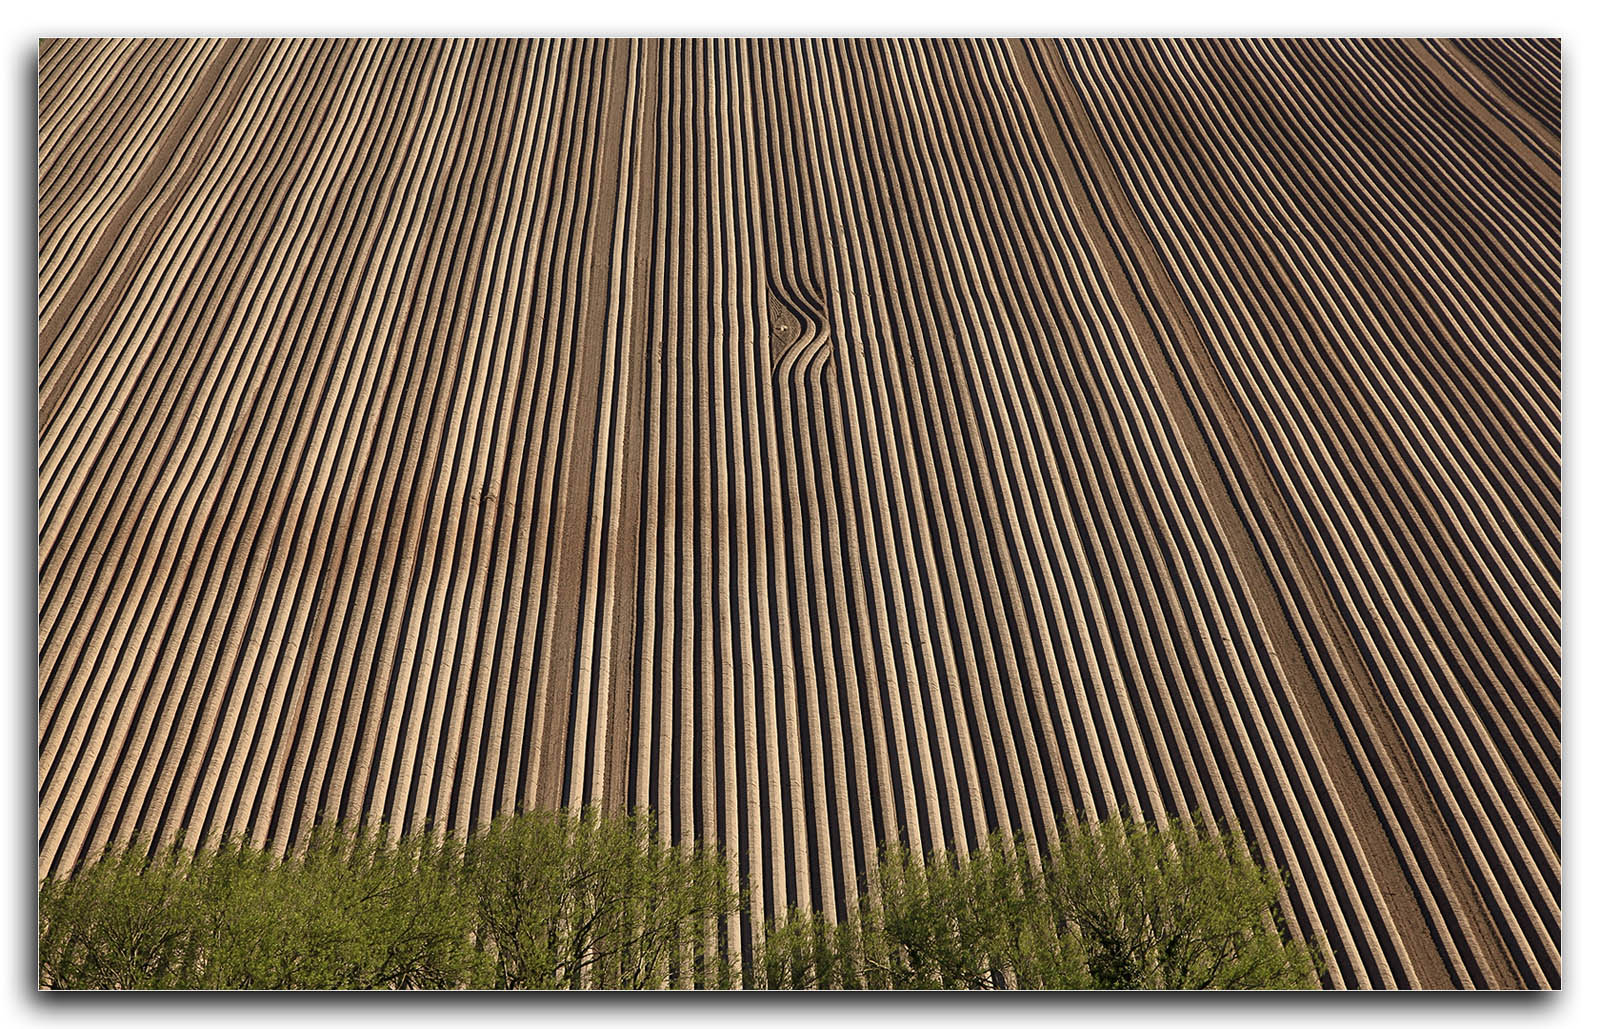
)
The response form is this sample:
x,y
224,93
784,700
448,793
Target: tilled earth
x,y
818,443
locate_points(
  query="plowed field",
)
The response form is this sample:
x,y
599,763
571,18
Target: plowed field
x,y
818,443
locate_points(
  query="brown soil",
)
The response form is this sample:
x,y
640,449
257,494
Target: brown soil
x,y
819,443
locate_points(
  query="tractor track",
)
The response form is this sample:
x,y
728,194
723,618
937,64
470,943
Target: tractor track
x,y
818,443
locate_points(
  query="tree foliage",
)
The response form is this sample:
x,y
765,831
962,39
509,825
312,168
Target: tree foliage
x,y
1173,909
934,923
541,900
127,922
556,900
343,912
567,901
1118,905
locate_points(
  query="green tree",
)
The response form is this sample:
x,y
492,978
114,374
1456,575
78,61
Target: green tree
x,y
568,901
343,912
572,901
944,922
968,922
126,922
803,951
1118,905
1177,908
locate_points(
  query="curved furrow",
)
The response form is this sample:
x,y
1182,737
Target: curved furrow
x,y
1434,733
818,444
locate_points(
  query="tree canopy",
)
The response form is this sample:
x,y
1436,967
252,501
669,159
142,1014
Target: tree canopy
x,y
1115,905
558,900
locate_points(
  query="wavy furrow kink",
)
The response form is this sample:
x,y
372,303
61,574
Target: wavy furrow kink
x,y
818,444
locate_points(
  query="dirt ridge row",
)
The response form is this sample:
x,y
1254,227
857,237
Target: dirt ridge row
x,y
818,443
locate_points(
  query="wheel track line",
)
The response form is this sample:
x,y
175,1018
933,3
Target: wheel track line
x,y
498,587
1397,501
81,591
1538,161
572,467
661,580
609,334
857,267
161,182
1420,429
75,186
1514,67
625,554
650,597
255,554
556,318
65,224
338,388
593,669
1263,783
165,541
1527,128
1220,501
52,456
